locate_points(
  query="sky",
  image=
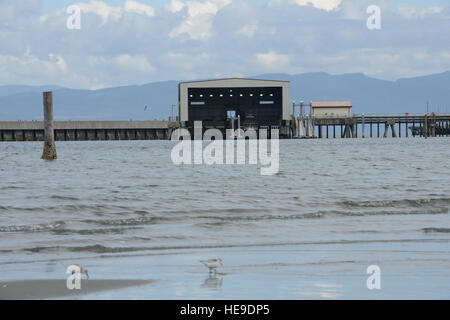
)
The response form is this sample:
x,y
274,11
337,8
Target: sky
x,y
125,42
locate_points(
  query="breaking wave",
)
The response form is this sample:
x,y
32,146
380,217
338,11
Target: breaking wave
x,y
33,227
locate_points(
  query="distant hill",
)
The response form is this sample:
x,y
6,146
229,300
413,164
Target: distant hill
x,y
369,95
13,89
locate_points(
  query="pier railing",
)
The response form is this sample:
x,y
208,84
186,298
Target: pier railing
x,y
375,125
87,130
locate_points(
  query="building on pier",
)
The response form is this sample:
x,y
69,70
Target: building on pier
x,y
331,109
235,102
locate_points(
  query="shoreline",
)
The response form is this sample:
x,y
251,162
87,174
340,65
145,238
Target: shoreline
x,y
56,288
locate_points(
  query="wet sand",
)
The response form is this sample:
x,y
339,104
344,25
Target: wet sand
x,y
47,289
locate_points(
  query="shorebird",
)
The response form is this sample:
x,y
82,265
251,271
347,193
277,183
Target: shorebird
x,y
82,269
212,264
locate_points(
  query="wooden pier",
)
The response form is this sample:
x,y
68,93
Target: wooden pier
x,y
87,130
357,126
383,125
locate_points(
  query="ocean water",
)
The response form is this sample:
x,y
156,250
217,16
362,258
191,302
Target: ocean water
x,y
123,210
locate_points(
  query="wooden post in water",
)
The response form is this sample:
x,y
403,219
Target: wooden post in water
x,y
392,124
425,126
433,126
49,152
386,129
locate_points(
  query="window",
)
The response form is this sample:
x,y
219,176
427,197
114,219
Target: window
x,y
197,103
266,102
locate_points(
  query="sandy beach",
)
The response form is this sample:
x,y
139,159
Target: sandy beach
x,y
47,289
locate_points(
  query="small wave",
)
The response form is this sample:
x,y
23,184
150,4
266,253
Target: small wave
x,y
395,212
92,248
320,214
104,249
126,222
92,231
396,203
313,215
56,197
66,208
34,227
436,230
11,187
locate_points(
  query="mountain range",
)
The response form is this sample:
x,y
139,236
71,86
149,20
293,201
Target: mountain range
x,y
154,100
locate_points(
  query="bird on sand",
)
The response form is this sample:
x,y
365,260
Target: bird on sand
x,y
212,264
82,269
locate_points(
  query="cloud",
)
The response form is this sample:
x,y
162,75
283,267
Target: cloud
x,y
272,60
248,30
198,24
137,63
107,12
101,9
14,69
409,12
134,43
175,6
137,7
13,12
326,5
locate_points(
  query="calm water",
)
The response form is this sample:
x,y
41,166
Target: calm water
x,y
123,210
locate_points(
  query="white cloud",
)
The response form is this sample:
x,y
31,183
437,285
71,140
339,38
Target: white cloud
x,y
410,12
185,61
230,38
198,24
99,86
15,69
60,62
137,63
248,30
107,12
137,7
101,9
175,6
327,5
272,60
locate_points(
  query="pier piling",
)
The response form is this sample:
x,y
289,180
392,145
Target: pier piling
x,y
49,152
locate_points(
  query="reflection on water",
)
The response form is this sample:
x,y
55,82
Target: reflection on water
x,y
212,282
